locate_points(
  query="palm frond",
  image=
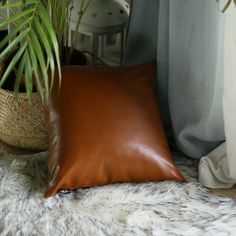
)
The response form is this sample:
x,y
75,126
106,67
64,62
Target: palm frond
x,y
35,42
3,2
227,4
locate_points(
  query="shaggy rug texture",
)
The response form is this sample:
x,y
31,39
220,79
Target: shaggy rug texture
x,y
156,208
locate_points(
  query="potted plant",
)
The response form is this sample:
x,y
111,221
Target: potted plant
x,y
37,43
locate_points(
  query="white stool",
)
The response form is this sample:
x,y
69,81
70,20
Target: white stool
x,y
102,20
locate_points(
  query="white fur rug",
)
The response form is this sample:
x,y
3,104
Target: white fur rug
x,y
165,208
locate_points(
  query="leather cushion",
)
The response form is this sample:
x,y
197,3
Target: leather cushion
x,y
105,127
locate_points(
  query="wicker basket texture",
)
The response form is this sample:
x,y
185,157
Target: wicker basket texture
x,y
22,124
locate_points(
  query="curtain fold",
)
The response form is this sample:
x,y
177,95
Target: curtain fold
x,y
142,36
218,168
188,37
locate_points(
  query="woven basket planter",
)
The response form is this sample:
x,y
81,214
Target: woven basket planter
x,y
22,124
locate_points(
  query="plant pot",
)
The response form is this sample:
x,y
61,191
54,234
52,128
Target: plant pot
x,y
22,124
77,57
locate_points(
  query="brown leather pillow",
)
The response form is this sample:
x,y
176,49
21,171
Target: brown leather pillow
x,y
105,127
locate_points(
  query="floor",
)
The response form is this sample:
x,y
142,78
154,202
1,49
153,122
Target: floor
x,y
220,192
225,192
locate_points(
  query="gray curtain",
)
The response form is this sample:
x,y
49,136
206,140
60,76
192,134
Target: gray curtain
x,y
186,38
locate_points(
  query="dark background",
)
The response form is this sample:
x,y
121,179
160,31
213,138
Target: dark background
x,y
2,34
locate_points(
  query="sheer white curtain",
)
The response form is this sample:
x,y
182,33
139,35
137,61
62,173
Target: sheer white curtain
x,y
186,38
218,168
194,46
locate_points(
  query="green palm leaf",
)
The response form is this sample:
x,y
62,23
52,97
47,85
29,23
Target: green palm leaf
x,y
227,4
36,74
20,73
35,42
12,64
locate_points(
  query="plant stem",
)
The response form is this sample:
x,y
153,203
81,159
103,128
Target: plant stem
x,y
75,36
